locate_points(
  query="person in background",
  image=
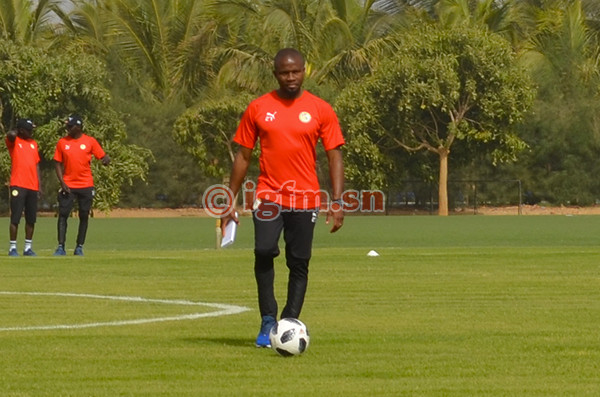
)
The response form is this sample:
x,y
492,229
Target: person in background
x,y
25,186
288,122
73,156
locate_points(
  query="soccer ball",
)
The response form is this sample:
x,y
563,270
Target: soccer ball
x,y
289,337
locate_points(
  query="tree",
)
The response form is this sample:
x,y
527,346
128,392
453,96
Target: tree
x,y
206,132
161,47
564,130
26,22
47,88
174,178
460,87
342,40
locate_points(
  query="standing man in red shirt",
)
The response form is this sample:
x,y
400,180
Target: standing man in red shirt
x,y
24,183
288,123
73,158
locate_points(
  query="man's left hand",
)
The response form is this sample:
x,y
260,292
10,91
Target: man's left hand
x,y
335,212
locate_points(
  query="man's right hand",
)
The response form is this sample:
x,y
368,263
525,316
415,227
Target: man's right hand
x,y
64,189
225,219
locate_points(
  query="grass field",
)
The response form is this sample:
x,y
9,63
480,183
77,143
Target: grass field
x,y
455,306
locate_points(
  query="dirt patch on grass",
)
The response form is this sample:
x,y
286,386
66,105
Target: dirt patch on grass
x,y
151,213
510,210
539,210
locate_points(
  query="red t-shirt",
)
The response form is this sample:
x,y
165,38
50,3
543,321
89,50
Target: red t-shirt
x,y
288,131
76,156
25,158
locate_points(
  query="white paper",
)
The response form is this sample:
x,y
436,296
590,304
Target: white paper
x,y
372,253
230,231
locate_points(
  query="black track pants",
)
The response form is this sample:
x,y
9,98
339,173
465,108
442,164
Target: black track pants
x,y
298,228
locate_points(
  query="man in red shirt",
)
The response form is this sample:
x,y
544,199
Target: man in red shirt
x,y
24,183
73,158
288,123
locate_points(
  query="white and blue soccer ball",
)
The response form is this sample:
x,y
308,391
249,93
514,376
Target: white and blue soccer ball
x,y
289,337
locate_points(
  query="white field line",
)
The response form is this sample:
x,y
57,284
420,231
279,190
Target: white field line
x,y
224,310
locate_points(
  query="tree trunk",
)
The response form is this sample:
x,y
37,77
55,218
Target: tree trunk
x,y
443,186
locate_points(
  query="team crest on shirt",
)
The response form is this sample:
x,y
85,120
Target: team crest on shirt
x,y
82,146
304,117
67,147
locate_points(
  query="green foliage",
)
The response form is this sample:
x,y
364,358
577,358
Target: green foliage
x,y
163,48
47,88
206,132
174,178
443,88
26,22
564,129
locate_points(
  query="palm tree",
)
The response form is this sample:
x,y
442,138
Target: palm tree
x,y
360,36
562,41
26,22
161,46
564,132
341,39
83,26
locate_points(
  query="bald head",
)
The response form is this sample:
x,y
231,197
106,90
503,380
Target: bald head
x,y
287,53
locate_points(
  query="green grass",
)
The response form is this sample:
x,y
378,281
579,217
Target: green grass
x,y
456,306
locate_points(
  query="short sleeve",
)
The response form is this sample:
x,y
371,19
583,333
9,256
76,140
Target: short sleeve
x,y
246,133
331,132
58,153
97,150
